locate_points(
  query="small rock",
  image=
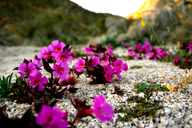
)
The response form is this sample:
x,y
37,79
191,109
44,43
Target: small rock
x,y
171,122
167,111
187,126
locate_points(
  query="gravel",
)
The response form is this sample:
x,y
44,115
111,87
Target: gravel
x,y
177,105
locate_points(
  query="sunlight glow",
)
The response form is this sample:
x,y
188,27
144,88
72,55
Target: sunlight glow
x,y
115,7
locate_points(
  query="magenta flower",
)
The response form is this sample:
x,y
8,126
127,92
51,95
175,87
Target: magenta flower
x,y
125,67
105,59
89,51
133,54
124,44
107,67
118,75
35,78
130,49
26,68
150,54
110,45
56,47
147,46
44,53
80,65
109,52
139,47
190,47
118,65
60,71
51,117
144,56
38,61
64,57
176,60
74,55
108,76
164,55
102,110
95,60
64,78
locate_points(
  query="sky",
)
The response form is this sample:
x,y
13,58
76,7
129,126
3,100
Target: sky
x,y
115,7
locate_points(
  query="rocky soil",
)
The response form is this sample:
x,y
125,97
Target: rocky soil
x,y
177,106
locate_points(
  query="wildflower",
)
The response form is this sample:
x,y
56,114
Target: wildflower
x,y
147,46
44,53
60,71
118,75
118,65
105,59
64,57
138,47
51,117
74,55
80,65
102,110
109,52
38,61
56,47
133,54
143,23
139,15
36,78
89,51
108,76
107,67
64,77
124,44
190,47
130,49
170,89
144,56
150,54
110,45
95,60
26,68
168,29
176,60
125,67
164,55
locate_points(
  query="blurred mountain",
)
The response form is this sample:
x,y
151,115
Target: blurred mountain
x,y
165,17
38,22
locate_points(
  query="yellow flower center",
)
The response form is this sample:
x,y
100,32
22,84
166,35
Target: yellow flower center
x,y
36,82
47,55
27,71
57,49
99,113
118,66
59,70
81,66
63,58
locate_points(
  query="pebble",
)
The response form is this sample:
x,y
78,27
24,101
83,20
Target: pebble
x,y
171,122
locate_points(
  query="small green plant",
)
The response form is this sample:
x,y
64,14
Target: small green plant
x,y
149,89
144,106
5,85
136,66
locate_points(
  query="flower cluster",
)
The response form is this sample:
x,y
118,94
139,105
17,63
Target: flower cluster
x,y
183,57
101,65
58,55
50,117
146,51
